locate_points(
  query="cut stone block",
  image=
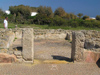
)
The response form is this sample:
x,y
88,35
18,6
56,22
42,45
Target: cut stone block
x,y
77,46
91,57
17,53
5,58
27,41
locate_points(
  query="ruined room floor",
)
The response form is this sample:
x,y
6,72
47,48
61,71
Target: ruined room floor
x,y
52,49
49,49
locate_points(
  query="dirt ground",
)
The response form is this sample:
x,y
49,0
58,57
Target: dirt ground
x,y
52,49
49,50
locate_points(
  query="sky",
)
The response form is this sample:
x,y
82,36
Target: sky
x,y
87,7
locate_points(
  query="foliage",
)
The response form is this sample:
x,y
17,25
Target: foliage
x,y
58,21
24,11
80,15
98,17
45,18
46,11
60,12
85,17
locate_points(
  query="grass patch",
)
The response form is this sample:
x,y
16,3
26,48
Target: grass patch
x,y
12,25
14,39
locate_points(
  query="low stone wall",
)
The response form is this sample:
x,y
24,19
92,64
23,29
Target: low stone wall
x,y
41,33
52,34
86,46
7,37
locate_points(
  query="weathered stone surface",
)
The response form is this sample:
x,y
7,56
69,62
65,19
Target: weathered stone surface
x,y
6,38
5,58
89,44
10,52
19,57
77,46
18,53
91,57
18,33
27,51
97,45
69,36
3,50
51,34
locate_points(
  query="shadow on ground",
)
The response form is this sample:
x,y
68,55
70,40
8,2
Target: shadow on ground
x,y
18,48
98,63
62,58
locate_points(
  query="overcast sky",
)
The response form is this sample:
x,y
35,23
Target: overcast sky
x,y
87,7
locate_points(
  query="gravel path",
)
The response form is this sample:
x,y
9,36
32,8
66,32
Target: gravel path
x,y
50,69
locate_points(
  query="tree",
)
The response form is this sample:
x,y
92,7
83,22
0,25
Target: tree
x,y
47,11
60,12
1,12
80,15
41,10
25,11
98,17
85,17
1,15
70,16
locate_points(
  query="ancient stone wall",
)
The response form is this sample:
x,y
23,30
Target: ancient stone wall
x,y
7,37
52,34
45,33
86,46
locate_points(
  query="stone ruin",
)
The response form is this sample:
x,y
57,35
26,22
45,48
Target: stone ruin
x,y
85,44
26,54
7,54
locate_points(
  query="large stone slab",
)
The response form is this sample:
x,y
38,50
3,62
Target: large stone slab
x,y
91,56
77,46
5,58
27,41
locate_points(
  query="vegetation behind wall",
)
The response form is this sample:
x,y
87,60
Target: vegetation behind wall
x,y
22,15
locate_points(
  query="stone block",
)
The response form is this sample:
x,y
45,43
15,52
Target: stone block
x,y
91,56
89,44
19,57
10,52
5,58
28,45
77,46
18,34
69,36
18,53
97,45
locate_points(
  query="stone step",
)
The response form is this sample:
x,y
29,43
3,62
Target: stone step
x,y
18,53
19,57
